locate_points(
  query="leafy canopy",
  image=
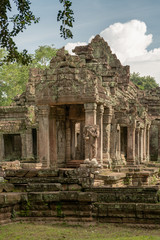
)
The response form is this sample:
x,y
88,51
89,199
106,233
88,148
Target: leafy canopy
x,y
12,24
145,82
66,16
14,76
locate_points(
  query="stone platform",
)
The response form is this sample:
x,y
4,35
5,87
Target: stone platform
x,y
70,195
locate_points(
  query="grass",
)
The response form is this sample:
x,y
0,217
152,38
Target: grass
x,y
28,231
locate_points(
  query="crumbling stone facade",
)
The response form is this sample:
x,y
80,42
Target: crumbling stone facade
x,y
82,110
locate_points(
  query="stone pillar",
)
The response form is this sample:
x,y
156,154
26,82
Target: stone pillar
x,y
29,144
68,141
131,146
82,142
90,120
137,145
53,137
23,141
100,139
106,133
144,144
1,147
158,143
43,136
113,141
141,146
73,139
147,142
118,143
90,113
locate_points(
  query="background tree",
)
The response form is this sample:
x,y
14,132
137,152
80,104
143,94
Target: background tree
x,y
14,76
43,55
12,26
145,82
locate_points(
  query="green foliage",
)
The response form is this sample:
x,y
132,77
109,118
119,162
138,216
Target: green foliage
x,y
66,16
59,210
14,76
26,211
43,55
12,26
145,82
13,79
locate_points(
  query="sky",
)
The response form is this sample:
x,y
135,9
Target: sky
x,y
131,28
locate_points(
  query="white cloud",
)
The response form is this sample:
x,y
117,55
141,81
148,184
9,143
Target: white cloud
x,y
70,46
129,41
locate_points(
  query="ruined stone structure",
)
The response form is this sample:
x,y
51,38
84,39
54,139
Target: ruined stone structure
x,y
83,109
77,145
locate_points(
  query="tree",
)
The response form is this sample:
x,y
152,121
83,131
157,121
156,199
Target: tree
x,y
12,26
14,76
43,55
145,82
66,16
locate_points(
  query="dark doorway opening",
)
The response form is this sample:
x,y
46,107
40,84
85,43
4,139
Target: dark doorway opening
x,y
34,142
154,143
12,146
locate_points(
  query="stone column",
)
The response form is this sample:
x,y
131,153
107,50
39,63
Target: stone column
x,y
90,120
158,143
137,145
29,144
147,142
118,143
1,147
100,139
144,144
113,141
23,140
43,136
131,146
141,146
73,139
90,113
68,141
82,142
106,133
53,137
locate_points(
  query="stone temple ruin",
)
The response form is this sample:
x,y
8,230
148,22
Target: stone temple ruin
x,y
82,109
82,125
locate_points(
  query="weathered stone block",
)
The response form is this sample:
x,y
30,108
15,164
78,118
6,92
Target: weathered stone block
x,y
51,197
74,187
87,197
12,198
68,196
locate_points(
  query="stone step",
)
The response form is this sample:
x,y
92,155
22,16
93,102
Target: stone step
x,y
74,163
112,179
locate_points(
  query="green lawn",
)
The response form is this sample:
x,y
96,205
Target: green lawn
x,y
27,231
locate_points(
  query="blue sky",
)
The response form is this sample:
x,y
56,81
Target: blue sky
x,y
94,16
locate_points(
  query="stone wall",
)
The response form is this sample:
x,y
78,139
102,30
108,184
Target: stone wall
x,y
69,196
